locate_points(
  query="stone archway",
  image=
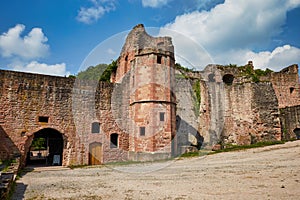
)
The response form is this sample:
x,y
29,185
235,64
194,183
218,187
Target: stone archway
x,y
46,148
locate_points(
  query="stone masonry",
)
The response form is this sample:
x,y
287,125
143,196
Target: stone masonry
x,y
151,110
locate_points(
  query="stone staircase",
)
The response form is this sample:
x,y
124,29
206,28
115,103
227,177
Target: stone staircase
x,y
7,178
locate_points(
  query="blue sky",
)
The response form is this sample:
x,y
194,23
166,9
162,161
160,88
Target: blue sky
x,y
63,37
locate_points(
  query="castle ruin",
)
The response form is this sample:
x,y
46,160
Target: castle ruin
x,y
151,110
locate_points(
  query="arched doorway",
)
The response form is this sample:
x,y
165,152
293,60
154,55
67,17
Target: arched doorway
x,y
95,153
297,132
46,148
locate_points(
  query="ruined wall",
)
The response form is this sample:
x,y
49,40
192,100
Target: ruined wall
x,y
286,86
25,97
290,120
187,113
71,106
237,112
251,114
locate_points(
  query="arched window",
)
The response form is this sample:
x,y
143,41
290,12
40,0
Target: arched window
x,y
114,140
95,127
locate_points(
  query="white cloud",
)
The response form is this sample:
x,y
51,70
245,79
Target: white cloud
x,y
96,11
230,29
155,3
275,59
42,68
30,46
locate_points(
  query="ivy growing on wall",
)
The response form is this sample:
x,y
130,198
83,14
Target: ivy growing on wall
x,y
197,95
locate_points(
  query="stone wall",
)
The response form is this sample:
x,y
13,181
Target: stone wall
x,y
70,107
290,120
286,86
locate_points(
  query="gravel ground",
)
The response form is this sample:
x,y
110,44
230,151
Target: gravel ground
x,y
264,173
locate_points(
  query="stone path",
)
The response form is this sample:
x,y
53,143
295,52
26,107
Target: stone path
x,y
265,173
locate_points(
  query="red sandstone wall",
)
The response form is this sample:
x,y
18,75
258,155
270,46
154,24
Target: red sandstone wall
x,y
286,86
72,106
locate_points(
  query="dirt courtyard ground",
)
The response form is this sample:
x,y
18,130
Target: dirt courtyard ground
x,y
264,173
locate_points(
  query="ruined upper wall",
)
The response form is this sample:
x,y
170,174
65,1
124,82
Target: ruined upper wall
x,y
286,86
138,43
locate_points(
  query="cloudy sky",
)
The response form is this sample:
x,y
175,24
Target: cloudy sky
x,y
63,37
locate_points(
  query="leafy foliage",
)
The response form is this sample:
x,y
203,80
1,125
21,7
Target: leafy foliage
x,y
93,72
111,68
182,68
39,143
197,92
248,71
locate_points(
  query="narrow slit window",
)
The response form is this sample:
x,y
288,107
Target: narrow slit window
x,y
95,127
114,141
142,131
162,116
159,58
43,119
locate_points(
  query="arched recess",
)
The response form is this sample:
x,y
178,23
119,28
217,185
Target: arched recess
x,y
95,153
297,133
228,79
46,148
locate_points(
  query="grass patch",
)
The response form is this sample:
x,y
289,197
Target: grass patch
x,y
5,164
244,147
78,166
195,154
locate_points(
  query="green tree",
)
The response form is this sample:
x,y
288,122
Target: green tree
x,y
92,72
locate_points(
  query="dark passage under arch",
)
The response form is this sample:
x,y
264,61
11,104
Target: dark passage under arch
x,y
297,132
46,148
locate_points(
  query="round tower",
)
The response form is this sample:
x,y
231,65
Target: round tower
x,y
149,61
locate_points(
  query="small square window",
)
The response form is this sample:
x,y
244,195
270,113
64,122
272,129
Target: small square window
x,y
161,116
43,119
142,131
114,141
95,127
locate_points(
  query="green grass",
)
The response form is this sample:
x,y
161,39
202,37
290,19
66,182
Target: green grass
x,y
6,164
244,147
78,166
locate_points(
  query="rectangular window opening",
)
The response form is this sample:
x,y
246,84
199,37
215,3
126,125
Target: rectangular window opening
x,y
159,58
162,116
95,127
43,119
142,131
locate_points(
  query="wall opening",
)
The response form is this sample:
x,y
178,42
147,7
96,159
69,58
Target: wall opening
x,y
159,59
228,79
297,133
114,141
43,119
95,127
126,64
292,89
46,148
161,116
142,131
